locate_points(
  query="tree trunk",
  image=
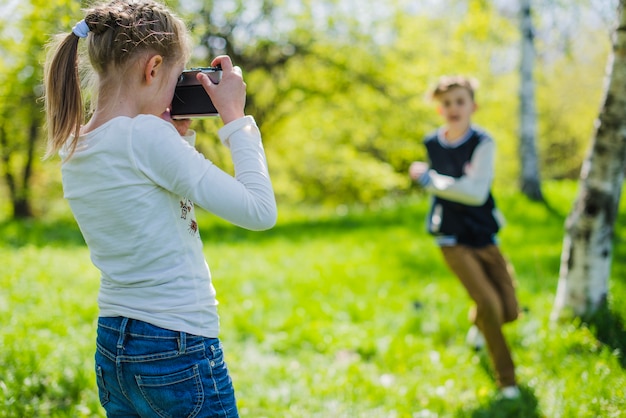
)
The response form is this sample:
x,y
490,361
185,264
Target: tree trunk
x,y
19,191
530,179
587,245
21,202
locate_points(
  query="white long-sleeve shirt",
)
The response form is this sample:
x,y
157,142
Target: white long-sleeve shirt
x,y
132,184
473,187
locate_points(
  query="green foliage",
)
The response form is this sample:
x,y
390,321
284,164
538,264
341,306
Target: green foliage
x,y
340,93
347,312
565,90
24,31
349,116
342,103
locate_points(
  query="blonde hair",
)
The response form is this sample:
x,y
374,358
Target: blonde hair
x,y
449,82
119,31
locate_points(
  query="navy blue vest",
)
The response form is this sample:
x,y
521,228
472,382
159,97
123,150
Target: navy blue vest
x,y
470,225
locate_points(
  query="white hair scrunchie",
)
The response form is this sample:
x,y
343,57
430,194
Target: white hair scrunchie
x,y
81,29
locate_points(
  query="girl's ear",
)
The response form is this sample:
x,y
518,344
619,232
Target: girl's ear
x,y
439,110
152,68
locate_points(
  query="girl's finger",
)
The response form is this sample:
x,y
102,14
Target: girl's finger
x,y
224,61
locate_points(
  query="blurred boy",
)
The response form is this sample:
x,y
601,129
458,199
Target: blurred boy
x,y
464,219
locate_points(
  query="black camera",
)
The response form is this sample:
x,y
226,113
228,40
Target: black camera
x,y
190,99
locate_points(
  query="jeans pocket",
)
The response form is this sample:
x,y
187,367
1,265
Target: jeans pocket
x,y
174,395
103,392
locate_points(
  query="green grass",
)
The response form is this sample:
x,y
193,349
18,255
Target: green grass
x,y
346,313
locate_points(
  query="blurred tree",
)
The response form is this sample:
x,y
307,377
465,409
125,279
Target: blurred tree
x,y
568,92
23,33
258,35
338,87
530,178
588,242
290,54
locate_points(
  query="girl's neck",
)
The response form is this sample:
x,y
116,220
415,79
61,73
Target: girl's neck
x,y
109,106
98,119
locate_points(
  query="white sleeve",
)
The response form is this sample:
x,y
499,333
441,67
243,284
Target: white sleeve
x,y
472,188
246,200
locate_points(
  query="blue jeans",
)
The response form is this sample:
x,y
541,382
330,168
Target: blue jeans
x,y
146,371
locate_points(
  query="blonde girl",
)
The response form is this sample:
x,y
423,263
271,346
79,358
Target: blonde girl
x,y
132,178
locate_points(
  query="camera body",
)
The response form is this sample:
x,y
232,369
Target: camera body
x,y
190,99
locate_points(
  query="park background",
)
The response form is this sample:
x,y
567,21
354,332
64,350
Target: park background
x,y
345,308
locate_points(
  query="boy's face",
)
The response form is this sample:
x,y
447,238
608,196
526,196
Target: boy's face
x,y
456,106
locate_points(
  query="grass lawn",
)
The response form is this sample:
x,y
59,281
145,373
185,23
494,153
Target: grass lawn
x,y
342,313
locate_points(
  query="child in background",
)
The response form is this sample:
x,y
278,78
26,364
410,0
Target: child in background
x,y
132,178
464,219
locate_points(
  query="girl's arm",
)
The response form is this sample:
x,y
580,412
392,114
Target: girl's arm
x,y
247,199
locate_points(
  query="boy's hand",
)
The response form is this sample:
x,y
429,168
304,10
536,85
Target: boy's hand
x,y
417,170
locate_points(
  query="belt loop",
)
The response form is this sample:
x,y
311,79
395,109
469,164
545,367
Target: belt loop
x,y
120,340
182,343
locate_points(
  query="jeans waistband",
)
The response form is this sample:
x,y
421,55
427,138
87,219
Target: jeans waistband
x,y
128,327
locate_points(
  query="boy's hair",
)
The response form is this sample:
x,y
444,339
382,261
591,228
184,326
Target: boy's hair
x,y
449,82
119,32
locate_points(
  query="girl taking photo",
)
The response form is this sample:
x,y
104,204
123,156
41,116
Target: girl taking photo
x,y
132,177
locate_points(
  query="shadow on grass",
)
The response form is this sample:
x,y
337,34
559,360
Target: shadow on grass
x,y
526,406
63,232
303,229
609,329
300,230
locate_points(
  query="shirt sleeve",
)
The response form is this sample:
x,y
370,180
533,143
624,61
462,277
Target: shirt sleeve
x,y
170,161
472,188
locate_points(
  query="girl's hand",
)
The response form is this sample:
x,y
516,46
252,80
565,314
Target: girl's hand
x,y
417,170
181,125
229,96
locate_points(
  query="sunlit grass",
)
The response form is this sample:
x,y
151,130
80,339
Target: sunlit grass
x,y
47,313
345,312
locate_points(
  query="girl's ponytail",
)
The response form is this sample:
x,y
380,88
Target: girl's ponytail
x,y
64,104
116,31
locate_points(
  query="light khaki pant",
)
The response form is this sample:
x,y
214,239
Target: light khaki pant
x,y
487,277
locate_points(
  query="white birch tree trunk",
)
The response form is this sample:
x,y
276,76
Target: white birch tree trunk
x,y
530,178
588,241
